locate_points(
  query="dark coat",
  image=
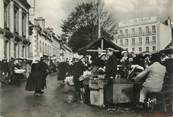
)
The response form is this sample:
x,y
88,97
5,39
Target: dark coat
x,y
4,67
35,80
110,71
44,70
78,69
111,67
169,65
63,69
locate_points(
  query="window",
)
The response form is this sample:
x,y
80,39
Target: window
x,y
147,49
154,48
23,50
15,50
147,40
16,19
154,29
24,24
7,15
121,42
147,30
133,31
126,31
121,32
5,49
133,41
140,49
140,30
153,39
127,42
140,40
133,49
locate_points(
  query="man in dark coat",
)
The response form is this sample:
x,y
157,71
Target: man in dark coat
x,y
63,68
78,69
110,72
44,69
11,69
5,71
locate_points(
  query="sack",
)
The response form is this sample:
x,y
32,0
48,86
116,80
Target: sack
x,y
19,71
69,80
70,98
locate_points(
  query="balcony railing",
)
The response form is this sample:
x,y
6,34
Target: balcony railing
x,y
136,34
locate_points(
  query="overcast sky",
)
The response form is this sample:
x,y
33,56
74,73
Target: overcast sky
x,y
55,11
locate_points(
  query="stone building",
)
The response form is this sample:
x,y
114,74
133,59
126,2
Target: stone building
x,y
41,40
143,34
14,32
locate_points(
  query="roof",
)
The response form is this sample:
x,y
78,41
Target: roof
x,y
25,3
64,46
96,44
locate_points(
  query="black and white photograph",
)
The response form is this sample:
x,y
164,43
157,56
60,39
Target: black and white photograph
x,y
86,58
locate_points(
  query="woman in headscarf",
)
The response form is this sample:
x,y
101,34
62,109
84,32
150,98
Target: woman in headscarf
x,y
35,80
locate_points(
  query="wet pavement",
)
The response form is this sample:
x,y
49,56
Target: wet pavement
x,y
16,102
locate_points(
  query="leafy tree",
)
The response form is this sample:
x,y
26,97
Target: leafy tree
x,y
84,19
84,36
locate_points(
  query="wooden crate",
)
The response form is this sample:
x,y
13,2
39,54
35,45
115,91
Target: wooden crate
x,y
97,97
122,93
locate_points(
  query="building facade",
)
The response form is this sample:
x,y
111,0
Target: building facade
x,y
44,40
56,45
143,34
14,29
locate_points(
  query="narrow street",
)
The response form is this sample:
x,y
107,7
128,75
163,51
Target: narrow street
x,y
16,102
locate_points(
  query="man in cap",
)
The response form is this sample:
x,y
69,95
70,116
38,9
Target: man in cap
x,y
110,72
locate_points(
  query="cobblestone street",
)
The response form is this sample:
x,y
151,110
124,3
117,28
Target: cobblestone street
x,y
16,102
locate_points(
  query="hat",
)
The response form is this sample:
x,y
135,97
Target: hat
x,y
111,49
123,52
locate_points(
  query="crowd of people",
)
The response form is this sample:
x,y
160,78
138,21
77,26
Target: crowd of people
x,y
112,65
8,74
152,68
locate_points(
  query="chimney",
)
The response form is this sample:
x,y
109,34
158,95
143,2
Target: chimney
x,y
40,22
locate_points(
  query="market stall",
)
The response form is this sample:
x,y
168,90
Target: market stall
x,y
97,81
